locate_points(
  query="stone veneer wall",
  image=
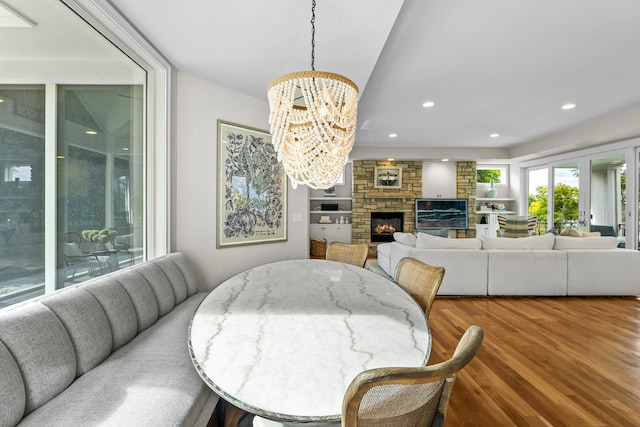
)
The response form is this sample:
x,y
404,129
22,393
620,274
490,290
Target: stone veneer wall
x,y
466,189
367,199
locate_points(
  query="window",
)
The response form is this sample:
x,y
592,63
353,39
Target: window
x,y
74,162
499,174
98,186
17,173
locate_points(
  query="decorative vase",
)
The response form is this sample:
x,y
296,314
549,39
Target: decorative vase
x,y
491,192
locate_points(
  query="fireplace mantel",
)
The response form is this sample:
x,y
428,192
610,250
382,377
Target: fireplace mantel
x,y
391,195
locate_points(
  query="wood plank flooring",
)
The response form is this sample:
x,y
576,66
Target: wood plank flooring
x,y
544,361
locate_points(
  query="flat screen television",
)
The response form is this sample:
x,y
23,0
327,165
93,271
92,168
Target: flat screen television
x,y
442,213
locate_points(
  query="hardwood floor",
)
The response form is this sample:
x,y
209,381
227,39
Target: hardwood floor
x,y
544,361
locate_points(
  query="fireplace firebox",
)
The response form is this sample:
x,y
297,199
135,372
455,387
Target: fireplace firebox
x,y
384,224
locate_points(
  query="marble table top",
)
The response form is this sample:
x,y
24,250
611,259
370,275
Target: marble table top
x,y
284,340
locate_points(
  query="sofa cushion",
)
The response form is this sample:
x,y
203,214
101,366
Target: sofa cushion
x,y
426,241
543,242
536,272
151,380
160,285
603,272
12,392
142,296
604,242
118,307
408,239
86,323
42,348
175,276
183,264
571,232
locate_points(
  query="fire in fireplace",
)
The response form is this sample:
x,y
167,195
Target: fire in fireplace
x,y
384,224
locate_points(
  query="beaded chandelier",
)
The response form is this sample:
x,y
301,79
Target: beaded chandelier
x,y
313,122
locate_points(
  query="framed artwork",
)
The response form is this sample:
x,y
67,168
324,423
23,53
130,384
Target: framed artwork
x,y
387,177
252,188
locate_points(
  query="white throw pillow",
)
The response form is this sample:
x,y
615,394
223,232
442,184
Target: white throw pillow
x,y
544,242
408,239
604,242
427,241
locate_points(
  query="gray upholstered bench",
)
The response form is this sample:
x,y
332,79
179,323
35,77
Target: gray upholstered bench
x,y
111,351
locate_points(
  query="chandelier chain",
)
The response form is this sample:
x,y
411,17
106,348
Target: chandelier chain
x,y
313,34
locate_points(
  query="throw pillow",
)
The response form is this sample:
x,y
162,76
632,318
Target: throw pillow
x,y
427,241
543,242
405,238
571,232
604,242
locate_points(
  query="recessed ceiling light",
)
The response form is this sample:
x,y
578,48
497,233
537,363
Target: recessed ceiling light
x,y
125,148
393,135
569,106
494,135
445,160
428,104
390,160
91,132
1,100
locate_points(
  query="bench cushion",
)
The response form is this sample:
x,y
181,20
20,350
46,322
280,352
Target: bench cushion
x,y
160,285
118,307
46,360
86,324
12,393
152,379
142,297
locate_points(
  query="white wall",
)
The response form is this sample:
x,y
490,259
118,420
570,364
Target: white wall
x,y
198,105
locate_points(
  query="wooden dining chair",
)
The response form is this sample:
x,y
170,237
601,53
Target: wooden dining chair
x,y
407,396
420,280
355,254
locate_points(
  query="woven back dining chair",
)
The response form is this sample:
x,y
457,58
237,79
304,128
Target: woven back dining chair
x,y
355,254
420,280
407,396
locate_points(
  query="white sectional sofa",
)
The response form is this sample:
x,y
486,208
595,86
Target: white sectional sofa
x,y
108,352
544,265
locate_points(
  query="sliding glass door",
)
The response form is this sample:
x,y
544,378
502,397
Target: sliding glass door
x,y
608,195
590,192
567,209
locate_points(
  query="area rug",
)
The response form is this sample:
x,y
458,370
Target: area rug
x,y
372,265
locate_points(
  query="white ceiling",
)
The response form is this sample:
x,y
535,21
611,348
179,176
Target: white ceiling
x,y
491,66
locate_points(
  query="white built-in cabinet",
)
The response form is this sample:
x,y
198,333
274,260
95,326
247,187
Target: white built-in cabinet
x,y
439,180
331,232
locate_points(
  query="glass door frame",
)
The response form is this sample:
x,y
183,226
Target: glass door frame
x,y
630,149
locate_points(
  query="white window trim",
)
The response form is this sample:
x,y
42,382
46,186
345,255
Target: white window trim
x,y
106,20
504,175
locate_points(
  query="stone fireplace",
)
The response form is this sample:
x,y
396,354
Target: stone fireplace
x,y
384,224
367,199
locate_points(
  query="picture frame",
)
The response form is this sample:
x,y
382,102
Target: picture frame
x,y
389,177
251,188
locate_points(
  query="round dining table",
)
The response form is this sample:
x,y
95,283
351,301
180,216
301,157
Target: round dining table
x,y
284,340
